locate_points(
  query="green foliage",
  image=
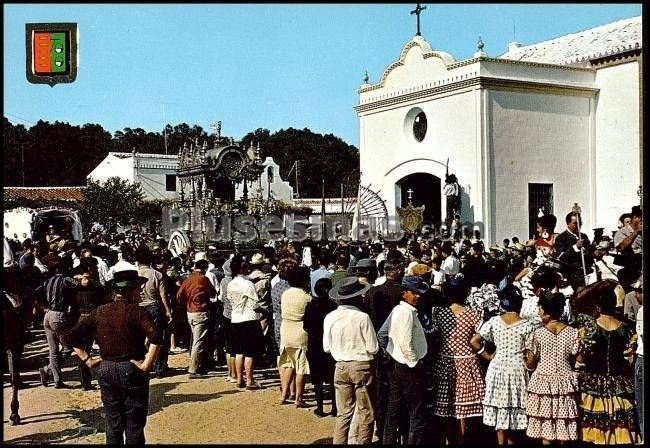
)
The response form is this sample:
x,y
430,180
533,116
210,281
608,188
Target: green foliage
x,y
116,198
60,154
151,209
321,157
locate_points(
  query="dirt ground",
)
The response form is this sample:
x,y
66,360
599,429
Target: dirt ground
x,y
180,410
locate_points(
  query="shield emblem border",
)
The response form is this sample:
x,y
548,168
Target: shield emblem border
x,y
52,80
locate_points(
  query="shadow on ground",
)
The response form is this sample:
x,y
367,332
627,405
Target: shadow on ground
x,y
159,398
90,421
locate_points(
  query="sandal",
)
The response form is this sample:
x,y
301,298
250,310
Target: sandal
x,y
301,404
254,386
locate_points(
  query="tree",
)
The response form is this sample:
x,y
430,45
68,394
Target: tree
x,y
321,157
116,198
15,138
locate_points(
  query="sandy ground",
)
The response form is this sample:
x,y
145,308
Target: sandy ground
x,y
180,410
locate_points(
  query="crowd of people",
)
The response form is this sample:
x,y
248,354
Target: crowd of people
x,y
412,341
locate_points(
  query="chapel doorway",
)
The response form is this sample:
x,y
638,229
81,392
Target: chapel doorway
x,y
425,190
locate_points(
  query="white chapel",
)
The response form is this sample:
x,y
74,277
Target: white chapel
x,y
544,126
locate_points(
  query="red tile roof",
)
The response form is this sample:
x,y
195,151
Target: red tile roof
x,y
48,193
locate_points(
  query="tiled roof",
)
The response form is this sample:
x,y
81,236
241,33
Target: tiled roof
x,y
576,48
48,193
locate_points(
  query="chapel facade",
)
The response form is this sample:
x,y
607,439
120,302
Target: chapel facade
x,y
541,126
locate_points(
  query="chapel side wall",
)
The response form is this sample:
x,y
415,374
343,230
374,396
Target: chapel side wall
x,y
617,143
388,150
538,138
153,182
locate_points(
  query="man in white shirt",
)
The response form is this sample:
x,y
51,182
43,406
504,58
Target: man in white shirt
x,y
405,342
349,336
437,274
450,265
638,367
102,267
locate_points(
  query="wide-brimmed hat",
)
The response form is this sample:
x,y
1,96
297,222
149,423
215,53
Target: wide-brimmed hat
x,y
415,284
125,275
257,259
200,256
496,248
420,269
366,263
518,247
348,288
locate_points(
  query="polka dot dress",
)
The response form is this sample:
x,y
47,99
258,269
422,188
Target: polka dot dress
x,y
551,405
504,405
459,385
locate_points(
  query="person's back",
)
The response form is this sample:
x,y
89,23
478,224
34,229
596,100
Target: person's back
x,y
151,294
338,275
455,330
120,330
347,326
243,298
605,348
380,301
196,291
313,321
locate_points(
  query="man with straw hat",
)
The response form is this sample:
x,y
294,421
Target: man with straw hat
x,y
349,336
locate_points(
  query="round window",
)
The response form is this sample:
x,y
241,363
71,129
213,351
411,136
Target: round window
x,y
420,126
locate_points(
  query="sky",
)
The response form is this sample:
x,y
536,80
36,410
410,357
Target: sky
x,y
254,66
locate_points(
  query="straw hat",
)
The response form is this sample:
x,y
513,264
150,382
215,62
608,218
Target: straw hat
x,y
420,269
257,259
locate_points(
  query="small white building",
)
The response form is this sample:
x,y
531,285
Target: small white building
x,y
156,173
541,126
270,182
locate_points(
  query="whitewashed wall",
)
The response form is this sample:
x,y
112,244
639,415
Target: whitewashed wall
x,y
617,143
150,170
538,138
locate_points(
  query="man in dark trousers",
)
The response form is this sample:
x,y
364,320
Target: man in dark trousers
x,y
403,338
120,329
379,303
568,245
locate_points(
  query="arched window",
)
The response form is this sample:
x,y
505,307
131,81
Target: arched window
x,y
269,173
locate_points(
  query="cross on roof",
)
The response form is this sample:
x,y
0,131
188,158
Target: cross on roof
x,y
417,11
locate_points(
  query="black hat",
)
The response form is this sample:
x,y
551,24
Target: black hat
x,y
348,288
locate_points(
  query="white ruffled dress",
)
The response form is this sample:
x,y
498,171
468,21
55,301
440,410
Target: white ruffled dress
x,y
506,380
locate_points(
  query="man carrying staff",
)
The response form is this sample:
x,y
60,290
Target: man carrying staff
x,y
120,329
